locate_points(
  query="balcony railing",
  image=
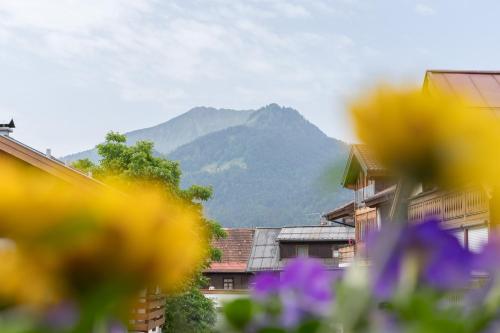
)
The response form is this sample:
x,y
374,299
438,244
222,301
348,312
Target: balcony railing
x,y
449,206
148,314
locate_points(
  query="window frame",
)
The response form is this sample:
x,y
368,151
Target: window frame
x,y
229,282
303,247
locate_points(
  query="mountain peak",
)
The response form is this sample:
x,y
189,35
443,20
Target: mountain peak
x,y
278,117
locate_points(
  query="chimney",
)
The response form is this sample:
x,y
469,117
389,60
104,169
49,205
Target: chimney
x,y
48,153
6,129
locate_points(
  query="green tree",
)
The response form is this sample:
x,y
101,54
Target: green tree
x,y
136,165
189,312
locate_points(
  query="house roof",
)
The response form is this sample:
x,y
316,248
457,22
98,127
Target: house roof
x,y
265,250
480,88
39,160
361,158
316,233
236,249
346,209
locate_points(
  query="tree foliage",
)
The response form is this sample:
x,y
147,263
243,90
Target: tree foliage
x,y
190,312
135,165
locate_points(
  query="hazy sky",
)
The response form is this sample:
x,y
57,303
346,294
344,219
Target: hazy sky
x,y
72,70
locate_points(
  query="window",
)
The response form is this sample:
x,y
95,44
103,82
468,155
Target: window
x,y
302,251
336,253
228,284
472,238
477,238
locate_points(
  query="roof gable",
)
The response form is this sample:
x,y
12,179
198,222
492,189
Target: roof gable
x,y
361,159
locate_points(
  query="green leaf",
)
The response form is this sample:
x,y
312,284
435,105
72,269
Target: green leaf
x,y
309,326
239,312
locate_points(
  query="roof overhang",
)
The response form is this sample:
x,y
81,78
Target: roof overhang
x,y
355,164
381,197
42,162
342,211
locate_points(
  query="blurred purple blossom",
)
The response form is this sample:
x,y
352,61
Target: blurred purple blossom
x,y
443,263
265,285
115,326
305,290
488,260
61,316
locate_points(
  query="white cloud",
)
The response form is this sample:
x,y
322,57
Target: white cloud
x,y
180,53
424,10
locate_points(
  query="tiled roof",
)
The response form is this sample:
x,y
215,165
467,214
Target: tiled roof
x,y
265,250
316,233
236,248
481,88
226,267
367,158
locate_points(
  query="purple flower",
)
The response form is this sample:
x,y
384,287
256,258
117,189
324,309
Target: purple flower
x,y
265,285
115,326
436,255
488,259
305,290
61,316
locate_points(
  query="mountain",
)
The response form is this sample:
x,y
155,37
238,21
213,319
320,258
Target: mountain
x,y
272,170
268,167
180,130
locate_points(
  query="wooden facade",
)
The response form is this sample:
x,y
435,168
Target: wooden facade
x,y
329,251
465,212
228,280
148,313
366,178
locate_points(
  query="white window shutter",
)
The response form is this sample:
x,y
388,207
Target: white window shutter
x,y
477,238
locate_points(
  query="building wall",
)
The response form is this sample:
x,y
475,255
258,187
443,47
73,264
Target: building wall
x,y
240,280
366,222
322,250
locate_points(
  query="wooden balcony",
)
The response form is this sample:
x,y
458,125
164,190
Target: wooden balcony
x,y
456,209
149,313
347,254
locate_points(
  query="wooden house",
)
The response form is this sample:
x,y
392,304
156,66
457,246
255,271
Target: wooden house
x,y
274,247
367,178
465,211
229,278
230,273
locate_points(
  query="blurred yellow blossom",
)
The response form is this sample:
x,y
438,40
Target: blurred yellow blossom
x,y
435,137
85,239
18,285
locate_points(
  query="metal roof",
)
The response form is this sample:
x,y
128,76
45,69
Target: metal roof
x,y
316,233
481,88
265,250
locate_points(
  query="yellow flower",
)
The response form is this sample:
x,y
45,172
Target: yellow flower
x,y
21,281
86,240
429,137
